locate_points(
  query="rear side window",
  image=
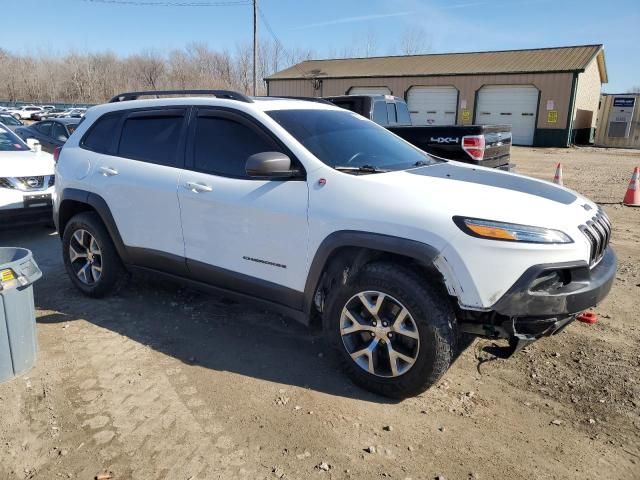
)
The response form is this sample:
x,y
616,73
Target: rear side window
x,y
59,132
403,113
391,113
222,146
44,128
152,137
99,138
380,113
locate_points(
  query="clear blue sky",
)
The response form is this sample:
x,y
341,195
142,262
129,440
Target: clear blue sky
x,y
328,26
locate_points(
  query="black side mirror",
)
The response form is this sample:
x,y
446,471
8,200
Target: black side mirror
x,y
269,164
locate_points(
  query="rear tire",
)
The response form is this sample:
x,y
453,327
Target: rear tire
x,y
90,257
414,328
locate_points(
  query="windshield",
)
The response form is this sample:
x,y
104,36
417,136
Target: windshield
x,y
11,143
345,139
9,120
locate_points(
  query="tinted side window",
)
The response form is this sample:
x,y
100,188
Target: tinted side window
x,y
44,128
222,146
403,113
380,113
99,138
391,113
152,138
59,132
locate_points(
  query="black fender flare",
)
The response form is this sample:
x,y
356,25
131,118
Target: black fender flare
x,y
419,251
97,203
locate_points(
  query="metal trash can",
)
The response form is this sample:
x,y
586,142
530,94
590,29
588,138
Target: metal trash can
x,y
18,343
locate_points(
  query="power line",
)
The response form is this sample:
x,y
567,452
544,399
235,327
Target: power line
x,y
281,46
143,3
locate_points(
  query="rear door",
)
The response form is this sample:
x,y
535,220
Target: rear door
x,y
138,176
42,132
59,135
241,233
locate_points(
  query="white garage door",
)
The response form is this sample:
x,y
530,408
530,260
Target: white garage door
x,y
514,105
369,91
432,105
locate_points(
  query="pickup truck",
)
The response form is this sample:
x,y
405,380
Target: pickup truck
x,y
484,145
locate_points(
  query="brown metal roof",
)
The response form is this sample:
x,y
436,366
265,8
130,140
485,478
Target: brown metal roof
x,y
560,59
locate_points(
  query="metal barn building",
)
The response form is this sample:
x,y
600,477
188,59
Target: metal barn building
x,y
549,95
619,121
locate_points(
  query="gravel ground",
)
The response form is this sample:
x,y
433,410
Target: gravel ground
x,y
162,382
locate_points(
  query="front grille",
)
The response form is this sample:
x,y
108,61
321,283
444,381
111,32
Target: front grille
x,y
598,232
5,183
31,183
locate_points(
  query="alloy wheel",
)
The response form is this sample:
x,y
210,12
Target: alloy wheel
x,y
85,257
379,334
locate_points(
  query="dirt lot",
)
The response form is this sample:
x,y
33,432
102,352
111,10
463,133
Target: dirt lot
x,y
166,383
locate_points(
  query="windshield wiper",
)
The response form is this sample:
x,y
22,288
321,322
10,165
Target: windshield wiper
x,y
360,169
422,163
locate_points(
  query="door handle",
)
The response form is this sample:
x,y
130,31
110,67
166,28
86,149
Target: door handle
x,y
108,171
198,187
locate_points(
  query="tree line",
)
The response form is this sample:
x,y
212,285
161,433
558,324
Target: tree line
x,y
95,77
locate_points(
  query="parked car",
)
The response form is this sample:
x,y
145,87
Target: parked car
x,y
26,182
24,113
324,215
48,113
50,133
10,121
485,145
77,112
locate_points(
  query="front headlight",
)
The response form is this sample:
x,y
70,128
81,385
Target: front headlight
x,y
510,232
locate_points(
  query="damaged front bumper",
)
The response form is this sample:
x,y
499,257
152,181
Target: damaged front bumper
x,y
542,302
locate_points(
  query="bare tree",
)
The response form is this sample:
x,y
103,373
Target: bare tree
x,y
634,89
148,68
415,40
95,77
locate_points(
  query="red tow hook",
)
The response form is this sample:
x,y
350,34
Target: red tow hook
x,y
587,317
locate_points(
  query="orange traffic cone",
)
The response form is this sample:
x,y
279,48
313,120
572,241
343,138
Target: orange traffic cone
x,y
558,177
632,197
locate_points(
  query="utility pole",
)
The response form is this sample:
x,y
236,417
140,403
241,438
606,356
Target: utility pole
x,y
255,47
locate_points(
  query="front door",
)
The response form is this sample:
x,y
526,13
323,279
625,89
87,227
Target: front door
x,y
241,233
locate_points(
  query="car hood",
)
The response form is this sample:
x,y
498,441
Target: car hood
x,y
467,190
25,164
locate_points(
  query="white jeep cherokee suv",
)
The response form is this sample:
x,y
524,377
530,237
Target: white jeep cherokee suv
x,y
325,216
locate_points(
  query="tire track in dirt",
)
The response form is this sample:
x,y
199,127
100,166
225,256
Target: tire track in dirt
x,y
137,424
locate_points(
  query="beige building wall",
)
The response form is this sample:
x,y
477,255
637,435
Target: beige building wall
x,y
554,87
602,138
585,113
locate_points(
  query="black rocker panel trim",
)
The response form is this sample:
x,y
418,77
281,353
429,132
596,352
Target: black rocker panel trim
x,y
246,284
419,251
239,296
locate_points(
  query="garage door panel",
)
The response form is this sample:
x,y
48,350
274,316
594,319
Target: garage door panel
x,y
432,105
514,105
369,91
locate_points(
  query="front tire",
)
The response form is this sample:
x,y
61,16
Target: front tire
x,y
90,257
393,330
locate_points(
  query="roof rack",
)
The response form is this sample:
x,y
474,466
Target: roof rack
x,y
307,99
228,94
